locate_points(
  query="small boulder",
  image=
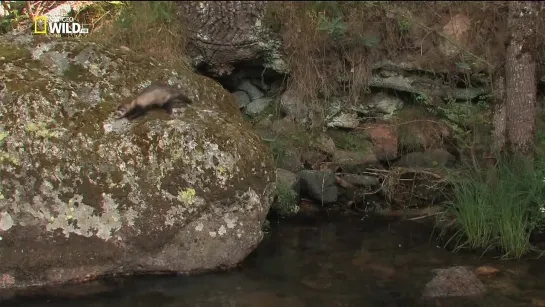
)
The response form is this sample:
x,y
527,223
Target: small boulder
x,y
320,186
293,107
253,91
385,140
284,126
418,130
352,161
258,105
324,143
436,157
313,158
289,159
264,124
344,120
381,104
285,177
360,180
242,98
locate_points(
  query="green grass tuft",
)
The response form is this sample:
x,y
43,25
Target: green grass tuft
x,y
499,212
287,202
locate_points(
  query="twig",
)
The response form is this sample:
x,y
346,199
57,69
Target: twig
x,y
379,170
372,174
38,7
375,191
409,170
29,10
99,18
425,216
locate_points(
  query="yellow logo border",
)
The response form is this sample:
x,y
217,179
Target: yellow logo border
x,y
38,19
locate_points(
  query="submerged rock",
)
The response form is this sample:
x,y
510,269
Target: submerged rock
x,y
83,195
455,281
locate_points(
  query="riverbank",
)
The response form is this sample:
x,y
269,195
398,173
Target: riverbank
x,y
330,261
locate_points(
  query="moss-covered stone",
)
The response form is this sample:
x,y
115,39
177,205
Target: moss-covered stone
x,y
186,192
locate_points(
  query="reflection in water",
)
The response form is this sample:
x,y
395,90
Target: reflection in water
x,y
345,262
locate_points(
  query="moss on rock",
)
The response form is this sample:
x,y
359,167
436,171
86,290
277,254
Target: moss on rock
x,y
134,186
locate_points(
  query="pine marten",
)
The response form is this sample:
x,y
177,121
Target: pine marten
x,y
154,96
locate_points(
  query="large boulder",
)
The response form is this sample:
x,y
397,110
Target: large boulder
x,y
83,195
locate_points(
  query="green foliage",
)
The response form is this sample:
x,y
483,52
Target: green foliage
x,y
484,101
145,27
502,212
332,21
422,99
156,12
352,141
287,200
289,143
6,25
3,136
14,15
331,8
541,138
278,150
464,113
404,25
331,18
371,41
463,66
335,27
15,8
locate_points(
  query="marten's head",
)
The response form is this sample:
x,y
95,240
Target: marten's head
x,y
124,108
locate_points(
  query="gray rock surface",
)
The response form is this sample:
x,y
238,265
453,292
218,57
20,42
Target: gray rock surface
x,y
320,186
82,195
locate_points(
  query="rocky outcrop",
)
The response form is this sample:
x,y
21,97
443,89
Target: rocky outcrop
x,y
222,34
83,195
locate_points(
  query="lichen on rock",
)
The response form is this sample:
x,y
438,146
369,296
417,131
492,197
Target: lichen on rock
x,y
85,195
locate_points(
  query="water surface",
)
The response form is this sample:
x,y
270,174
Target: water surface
x,y
341,261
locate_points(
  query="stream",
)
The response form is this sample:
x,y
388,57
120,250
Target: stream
x,y
335,261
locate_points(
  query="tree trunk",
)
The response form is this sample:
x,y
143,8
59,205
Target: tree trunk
x,y
499,119
520,78
222,33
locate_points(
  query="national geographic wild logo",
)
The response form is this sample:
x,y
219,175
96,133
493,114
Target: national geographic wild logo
x,y
58,25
